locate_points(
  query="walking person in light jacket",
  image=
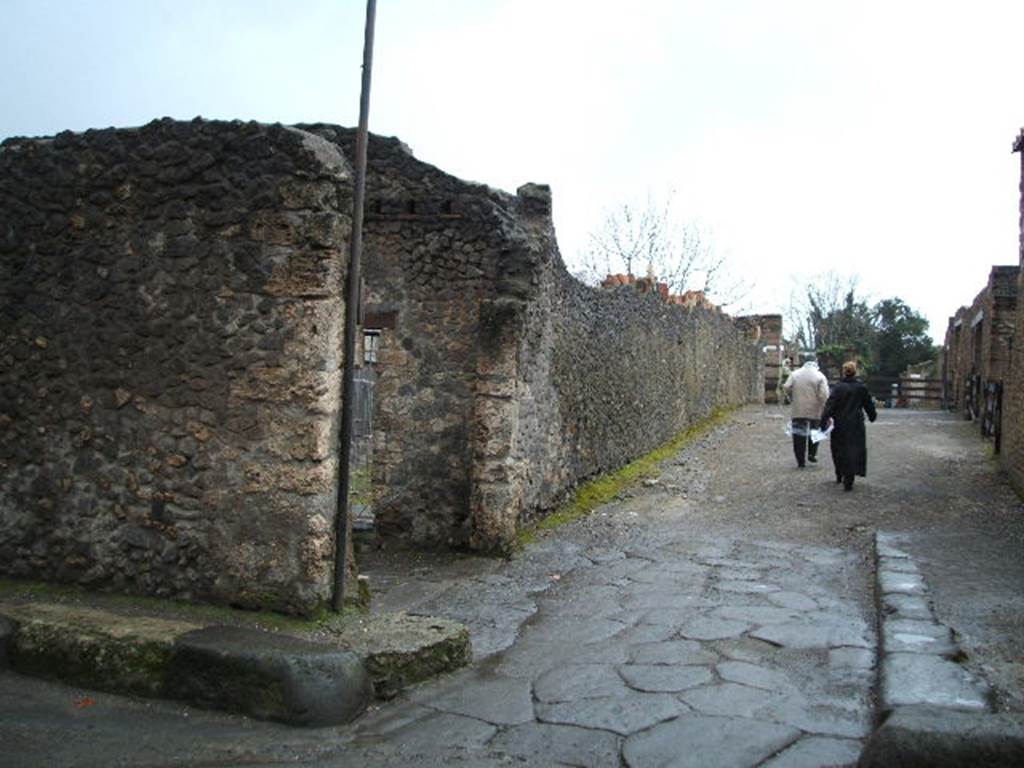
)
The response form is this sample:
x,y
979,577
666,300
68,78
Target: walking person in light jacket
x,y
807,388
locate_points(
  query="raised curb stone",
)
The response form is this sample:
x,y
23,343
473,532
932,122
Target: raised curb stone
x,y
268,676
399,649
938,737
92,648
939,710
917,678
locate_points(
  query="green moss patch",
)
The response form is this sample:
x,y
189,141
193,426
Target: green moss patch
x,y
16,591
605,488
93,648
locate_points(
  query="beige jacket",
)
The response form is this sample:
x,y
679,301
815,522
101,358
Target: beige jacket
x,y
808,391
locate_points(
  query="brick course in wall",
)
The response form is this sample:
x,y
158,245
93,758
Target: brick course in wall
x,y
170,322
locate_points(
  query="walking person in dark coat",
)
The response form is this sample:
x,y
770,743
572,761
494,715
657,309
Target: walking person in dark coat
x,y
846,406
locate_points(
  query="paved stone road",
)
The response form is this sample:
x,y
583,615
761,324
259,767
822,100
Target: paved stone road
x,y
722,615
678,649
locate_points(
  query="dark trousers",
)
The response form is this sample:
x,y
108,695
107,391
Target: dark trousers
x,y
803,447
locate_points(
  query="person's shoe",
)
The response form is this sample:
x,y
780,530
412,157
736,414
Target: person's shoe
x,y
839,478
799,465
812,459
848,485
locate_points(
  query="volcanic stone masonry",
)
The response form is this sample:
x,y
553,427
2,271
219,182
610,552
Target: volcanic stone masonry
x,y
502,380
169,360
170,353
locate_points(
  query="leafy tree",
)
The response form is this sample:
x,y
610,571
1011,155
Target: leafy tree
x,y
828,315
901,337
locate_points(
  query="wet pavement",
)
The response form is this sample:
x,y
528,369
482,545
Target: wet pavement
x,y
722,615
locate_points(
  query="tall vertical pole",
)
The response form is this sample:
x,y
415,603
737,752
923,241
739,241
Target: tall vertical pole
x,y
352,302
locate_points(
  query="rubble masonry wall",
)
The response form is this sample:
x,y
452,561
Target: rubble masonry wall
x,y
170,325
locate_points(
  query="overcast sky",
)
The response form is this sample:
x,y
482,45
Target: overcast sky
x,y
868,138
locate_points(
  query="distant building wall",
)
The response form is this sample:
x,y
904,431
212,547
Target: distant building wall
x,y
1013,396
773,346
978,339
170,322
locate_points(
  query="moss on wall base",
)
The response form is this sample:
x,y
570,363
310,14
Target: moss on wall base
x,y
603,489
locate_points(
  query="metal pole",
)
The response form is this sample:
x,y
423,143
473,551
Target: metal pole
x,y
352,301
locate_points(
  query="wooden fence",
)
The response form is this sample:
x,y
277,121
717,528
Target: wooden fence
x,y
901,392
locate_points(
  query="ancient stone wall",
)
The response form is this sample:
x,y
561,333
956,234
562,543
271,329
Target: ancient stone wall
x,y
170,321
171,336
1013,396
583,380
979,337
501,380
436,250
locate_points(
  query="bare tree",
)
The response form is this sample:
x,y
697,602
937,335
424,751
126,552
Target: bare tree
x,y
827,311
650,240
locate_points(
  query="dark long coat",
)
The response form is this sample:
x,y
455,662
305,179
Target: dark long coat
x,y
846,405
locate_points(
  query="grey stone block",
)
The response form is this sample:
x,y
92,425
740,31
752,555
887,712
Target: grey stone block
x,y
7,628
902,583
917,636
924,679
906,606
937,737
267,676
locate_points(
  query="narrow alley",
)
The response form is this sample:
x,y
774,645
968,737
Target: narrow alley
x,y
721,615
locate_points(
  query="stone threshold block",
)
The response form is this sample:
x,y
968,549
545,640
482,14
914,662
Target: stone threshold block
x,y
268,676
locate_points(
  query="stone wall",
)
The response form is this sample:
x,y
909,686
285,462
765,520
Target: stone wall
x,y
1013,395
171,334
585,380
502,382
170,321
979,337
436,250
